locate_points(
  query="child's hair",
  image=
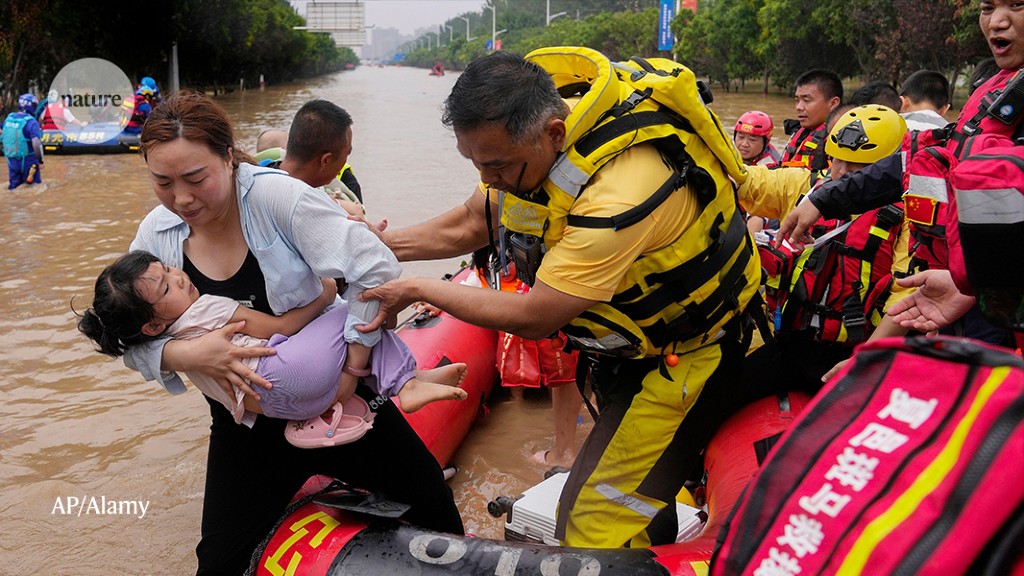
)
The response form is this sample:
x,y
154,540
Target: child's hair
x,y
118,313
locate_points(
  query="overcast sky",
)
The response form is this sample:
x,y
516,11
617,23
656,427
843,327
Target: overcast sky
x,y
408,15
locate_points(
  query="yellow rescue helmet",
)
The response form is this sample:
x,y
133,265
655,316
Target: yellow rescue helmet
x,y
866,134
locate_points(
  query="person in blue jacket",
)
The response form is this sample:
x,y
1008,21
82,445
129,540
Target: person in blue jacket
x,y
148,82
22,142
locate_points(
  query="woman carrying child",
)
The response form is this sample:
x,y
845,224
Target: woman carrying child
x,y
265,240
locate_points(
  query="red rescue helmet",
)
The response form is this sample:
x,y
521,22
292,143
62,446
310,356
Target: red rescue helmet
x,y
754,122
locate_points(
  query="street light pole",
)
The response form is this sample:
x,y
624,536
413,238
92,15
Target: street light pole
x,y
451,31
467,27
494,19
548,16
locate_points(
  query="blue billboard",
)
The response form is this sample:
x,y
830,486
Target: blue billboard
x,y
667,13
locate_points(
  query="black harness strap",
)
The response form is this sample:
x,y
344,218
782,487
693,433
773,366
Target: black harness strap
x,y
634,214
628,123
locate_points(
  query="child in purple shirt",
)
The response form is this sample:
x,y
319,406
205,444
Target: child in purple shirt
x,y
139,298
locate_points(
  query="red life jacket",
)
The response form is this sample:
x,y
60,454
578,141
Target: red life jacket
x,y
907,462
988,186
769,157
138,117
926,165
840,283
806,149
777,263
53,116
976,118
929,157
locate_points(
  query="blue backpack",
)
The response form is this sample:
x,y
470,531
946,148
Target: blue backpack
x,y
15,143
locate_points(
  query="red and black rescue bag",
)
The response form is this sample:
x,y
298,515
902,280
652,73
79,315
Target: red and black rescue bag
x,y
777,263
909,462
926,168
841,282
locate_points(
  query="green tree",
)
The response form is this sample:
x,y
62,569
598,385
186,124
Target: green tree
x,y
701,47
18,45
794,40
721,40
219,41
967,43
854,25
741,20
618,35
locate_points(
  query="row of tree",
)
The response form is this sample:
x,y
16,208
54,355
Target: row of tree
x,y
618,28
219,42
776,40
732,41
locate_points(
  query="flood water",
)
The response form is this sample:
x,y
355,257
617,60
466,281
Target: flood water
x,y
76,426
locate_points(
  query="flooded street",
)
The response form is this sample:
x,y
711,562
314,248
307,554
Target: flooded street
x,y
77,427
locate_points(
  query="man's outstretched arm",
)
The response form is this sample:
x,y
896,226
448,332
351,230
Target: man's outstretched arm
x,y
857,192
875,186
461,230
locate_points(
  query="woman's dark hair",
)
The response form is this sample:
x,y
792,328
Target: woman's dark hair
x,y
505,88
118,313
196,118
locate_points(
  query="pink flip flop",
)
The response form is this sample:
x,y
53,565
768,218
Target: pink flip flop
x,y
349,422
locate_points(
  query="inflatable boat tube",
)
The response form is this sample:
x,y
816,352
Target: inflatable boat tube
x,y
95,138
317,540
444,339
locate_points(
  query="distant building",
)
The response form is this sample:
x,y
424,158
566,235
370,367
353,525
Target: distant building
x,y
383,44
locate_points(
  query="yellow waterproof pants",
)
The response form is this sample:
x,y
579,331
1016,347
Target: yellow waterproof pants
x,y
655,420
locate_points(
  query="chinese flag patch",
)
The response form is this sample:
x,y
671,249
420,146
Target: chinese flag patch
x,y
920,209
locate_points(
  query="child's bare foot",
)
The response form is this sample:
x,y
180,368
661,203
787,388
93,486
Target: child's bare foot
x,y
418,393
449,374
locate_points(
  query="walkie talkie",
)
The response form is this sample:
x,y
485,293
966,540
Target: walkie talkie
x,y
1009,104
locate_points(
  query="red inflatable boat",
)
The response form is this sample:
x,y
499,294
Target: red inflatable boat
x,y
315,539
444,339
